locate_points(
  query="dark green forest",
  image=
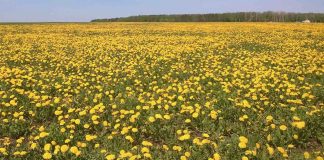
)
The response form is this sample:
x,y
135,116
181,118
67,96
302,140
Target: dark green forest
x,y
223,17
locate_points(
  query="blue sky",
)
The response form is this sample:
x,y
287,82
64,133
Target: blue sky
x,y
85,10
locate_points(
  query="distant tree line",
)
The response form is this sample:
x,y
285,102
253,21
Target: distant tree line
x,y
223,17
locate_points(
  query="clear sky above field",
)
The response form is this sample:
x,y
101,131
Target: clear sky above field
x,y
85,10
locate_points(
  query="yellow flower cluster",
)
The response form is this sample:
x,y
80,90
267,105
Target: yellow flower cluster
x,y
162,91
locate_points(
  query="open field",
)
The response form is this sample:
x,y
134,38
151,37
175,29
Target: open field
x,y
162,91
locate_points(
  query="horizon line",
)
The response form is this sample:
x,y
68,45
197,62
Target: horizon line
x,y
164,14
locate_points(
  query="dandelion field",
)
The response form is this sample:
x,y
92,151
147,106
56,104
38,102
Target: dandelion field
x,y
162,91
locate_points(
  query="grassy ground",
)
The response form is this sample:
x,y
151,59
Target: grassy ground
x,y
162,91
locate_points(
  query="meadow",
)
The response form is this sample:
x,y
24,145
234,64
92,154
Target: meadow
x,y
162,91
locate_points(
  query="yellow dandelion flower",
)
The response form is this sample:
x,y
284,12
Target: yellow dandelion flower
x,y
47,155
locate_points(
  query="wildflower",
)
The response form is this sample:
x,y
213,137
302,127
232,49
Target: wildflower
x,y
213,114
47,155
167,117
243,139
64,148
47,147
195,115
187,154
110,157
181,98
129,138
319,158
184,137
56,100
283,127
245,158
75,150
147,143
177,148
269,118
216,156
242,145
3,150
43,134
306,155
33,145
151,119
299,124
86,126
77,121
145,150
270,150
246,104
